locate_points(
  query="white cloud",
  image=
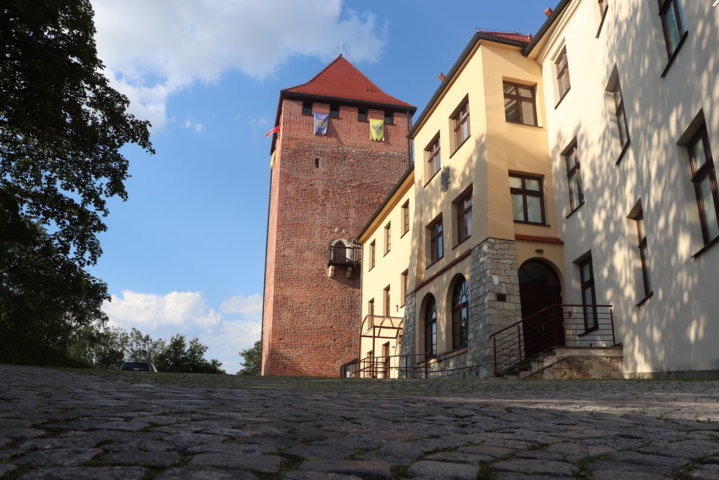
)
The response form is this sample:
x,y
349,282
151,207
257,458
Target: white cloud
x,y
188,313
193,125
250,306
154,49
152,312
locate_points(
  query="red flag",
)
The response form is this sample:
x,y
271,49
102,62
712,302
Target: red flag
x,y
276,129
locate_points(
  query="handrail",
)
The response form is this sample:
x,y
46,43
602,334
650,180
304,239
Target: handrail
x,y
572,325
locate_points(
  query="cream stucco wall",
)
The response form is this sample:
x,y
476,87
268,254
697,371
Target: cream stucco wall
x,y
387,271
495,147
676,328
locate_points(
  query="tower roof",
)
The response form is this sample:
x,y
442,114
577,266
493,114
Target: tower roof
x,y
343,81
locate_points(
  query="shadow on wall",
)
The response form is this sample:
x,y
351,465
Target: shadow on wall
x,y
658,113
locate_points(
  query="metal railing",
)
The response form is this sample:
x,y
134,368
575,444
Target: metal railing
x,y
406,366
553,326
344,255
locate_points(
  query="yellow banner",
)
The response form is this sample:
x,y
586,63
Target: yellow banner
x,y
376,130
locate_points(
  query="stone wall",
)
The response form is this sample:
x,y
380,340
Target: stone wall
x,y
409,337
494,299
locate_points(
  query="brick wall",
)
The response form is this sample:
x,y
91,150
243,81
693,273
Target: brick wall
x,y
323,188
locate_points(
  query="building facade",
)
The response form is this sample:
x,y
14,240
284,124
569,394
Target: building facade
x,y
330,172
565,196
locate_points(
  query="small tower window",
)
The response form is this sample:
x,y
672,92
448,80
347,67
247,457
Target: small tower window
x,y
306,108
317,163
335,111
362,114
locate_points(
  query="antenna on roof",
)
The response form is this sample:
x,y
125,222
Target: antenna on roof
x,y
341,48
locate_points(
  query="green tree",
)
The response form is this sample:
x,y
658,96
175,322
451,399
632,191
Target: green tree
x,y
61,124
251,359
179,356
142,348
61,130
42,293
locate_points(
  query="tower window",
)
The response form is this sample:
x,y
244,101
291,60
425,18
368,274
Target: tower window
x,y
388,118
362,114
306,108
334,111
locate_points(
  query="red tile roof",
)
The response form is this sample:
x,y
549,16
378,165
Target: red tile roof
x,y
342,80
517,37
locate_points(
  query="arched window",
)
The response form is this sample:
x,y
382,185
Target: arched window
x,y
460,313
430,328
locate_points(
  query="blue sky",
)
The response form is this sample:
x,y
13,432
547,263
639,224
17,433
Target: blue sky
x,y
185,253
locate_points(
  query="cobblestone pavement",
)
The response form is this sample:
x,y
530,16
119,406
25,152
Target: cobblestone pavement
x,y
58,424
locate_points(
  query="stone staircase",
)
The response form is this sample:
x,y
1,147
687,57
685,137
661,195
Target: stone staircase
x,y
572,363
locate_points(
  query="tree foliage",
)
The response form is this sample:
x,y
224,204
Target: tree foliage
x,y
61,130
251,359
179,356
61,124
42,292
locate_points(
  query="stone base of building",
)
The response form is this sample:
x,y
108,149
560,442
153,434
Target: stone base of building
x,y
494,303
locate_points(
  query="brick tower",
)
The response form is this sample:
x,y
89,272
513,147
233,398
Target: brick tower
x,y
323,190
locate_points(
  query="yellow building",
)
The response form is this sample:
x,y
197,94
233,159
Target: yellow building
x,y
386,251
512,251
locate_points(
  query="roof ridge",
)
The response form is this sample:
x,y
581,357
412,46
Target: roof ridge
x,y
363,87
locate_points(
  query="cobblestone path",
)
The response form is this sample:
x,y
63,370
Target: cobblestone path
x,y
57,424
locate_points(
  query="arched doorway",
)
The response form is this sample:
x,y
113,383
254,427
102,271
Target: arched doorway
x,y
539,287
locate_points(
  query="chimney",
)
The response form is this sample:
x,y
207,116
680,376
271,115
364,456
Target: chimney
x,y
548,12
441,77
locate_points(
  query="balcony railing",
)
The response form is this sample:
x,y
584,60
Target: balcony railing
x,y
344,256
553,326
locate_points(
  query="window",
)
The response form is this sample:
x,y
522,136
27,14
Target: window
x,y
436,240
335,111
405,217
463,209
431,153
574,180
527,198
370,308
387,306
460,123
403,286
387,238
430,329
642,272
460,314
519,104
371,255
561,68
615,91
362,114
388,118
589,296
672,23
306,108
705,184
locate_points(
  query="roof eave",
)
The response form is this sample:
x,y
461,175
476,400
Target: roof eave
x,y
476,38
545,27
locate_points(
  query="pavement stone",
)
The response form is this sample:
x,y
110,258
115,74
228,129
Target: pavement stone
x,y
361,468
443,470
90,473
62,424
